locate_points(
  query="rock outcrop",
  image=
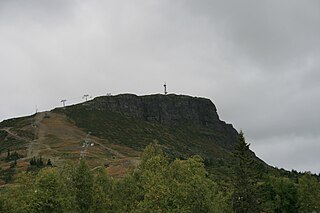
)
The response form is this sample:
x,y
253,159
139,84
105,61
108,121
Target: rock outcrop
x,y
165,109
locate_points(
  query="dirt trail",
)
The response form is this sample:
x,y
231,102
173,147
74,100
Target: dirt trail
x,y
13,134
58,138
112,151
35,145
54,132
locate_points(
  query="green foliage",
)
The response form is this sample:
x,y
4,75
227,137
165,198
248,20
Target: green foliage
x,y
25,134
12,143
267,197
33,161
153,159
44,192
49,163
102,191
7,174
159,184
278,194
13,156
309,194
13,164
192,190
47,195
154,180
178,186
19,197
8,141
82,181
286,195
127,194
36,163
17,122
3,134
244,198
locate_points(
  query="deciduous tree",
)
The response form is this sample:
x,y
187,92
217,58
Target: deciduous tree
x,y
309,194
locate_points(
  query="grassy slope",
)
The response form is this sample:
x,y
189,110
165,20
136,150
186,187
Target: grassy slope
x,y
120,129
178,141
18,125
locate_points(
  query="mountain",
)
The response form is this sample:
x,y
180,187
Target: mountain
x,y
117,128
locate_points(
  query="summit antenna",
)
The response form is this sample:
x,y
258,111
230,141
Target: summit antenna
x,y
165,88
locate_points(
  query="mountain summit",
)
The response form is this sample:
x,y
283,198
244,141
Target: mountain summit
x,y
172,110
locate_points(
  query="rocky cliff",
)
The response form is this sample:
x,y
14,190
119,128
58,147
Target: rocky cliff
x,y
170,110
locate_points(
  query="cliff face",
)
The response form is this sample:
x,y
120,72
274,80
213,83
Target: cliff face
x,y
165,109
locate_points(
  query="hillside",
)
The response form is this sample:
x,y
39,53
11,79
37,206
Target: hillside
x,y
119,127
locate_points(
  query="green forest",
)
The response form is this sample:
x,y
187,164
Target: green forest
x,y
162,184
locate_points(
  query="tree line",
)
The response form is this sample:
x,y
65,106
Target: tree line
x,y
161,184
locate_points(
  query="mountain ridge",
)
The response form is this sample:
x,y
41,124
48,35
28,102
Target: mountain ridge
x,y
168,109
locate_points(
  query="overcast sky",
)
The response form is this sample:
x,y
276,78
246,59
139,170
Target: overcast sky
x,y
258,61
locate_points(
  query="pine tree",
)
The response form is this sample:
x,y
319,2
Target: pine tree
x,y
8,154
49,162
40,162
32,161
244,199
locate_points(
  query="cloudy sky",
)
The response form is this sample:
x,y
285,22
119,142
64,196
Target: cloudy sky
x,y
258,61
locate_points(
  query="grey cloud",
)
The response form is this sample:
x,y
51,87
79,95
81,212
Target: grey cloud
x,y
301,153
271,32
